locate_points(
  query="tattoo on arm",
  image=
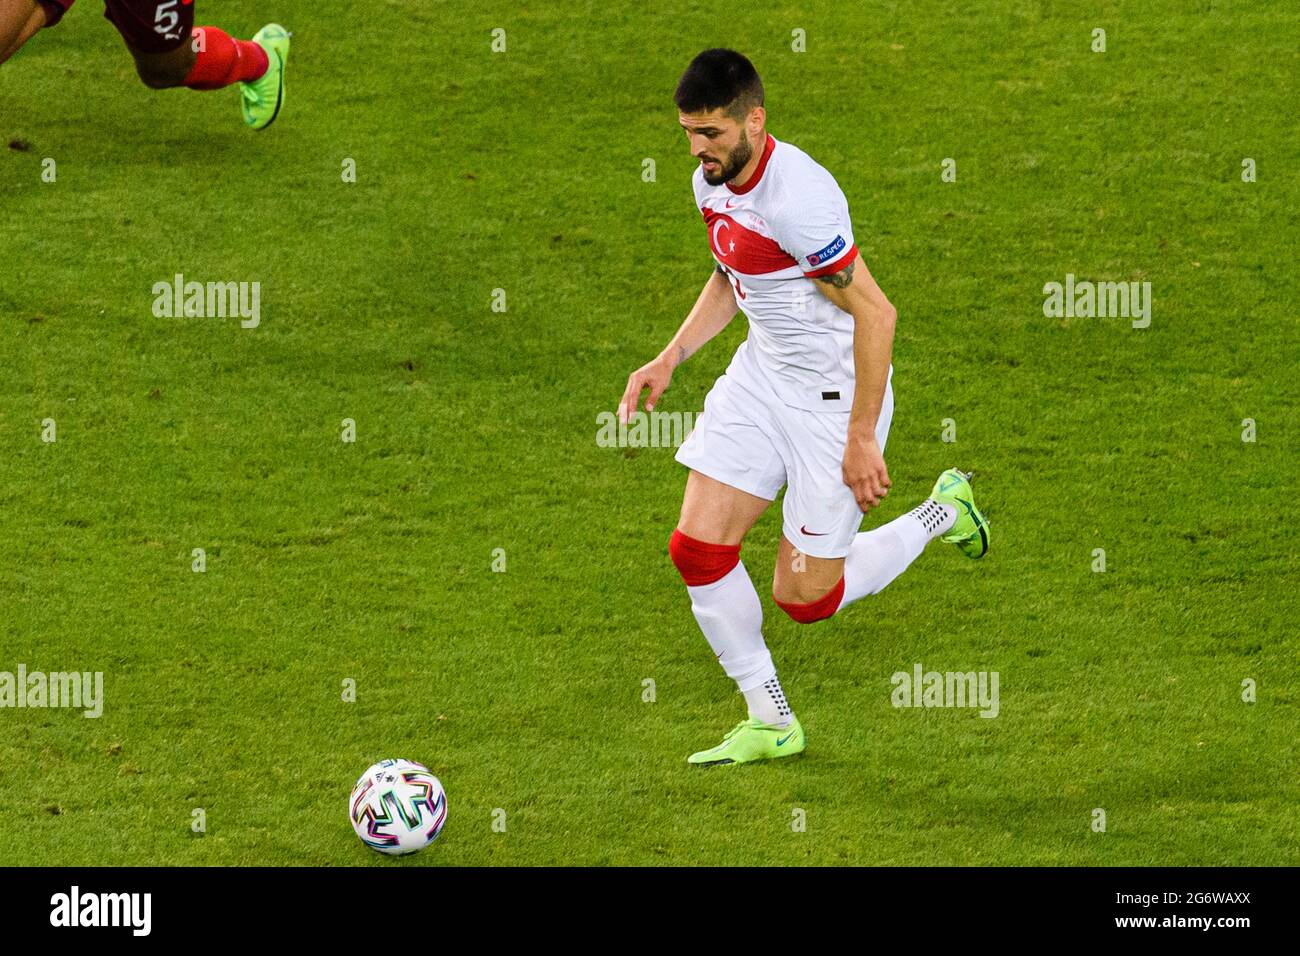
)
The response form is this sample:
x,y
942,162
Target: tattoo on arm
x,y
841,279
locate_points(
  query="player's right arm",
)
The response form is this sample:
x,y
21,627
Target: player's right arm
x,y
20,20
715,307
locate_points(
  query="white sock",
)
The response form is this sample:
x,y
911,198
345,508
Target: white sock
x,y
731,617
877,557
767,703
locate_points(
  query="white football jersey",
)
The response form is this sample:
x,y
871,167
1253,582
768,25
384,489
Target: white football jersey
x,y
773,236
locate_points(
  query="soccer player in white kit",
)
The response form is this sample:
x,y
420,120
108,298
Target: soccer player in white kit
x,y
805,403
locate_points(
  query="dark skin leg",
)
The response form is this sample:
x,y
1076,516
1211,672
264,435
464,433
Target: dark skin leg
x,y
19,22
159,71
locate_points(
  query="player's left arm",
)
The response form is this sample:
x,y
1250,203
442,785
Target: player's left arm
x,y
853,290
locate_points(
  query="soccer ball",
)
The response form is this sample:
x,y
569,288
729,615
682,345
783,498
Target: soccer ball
x,y
398,807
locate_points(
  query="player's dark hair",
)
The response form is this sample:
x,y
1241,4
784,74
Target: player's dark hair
x,y
719,79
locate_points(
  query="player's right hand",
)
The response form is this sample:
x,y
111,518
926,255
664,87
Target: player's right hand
x,y
655,376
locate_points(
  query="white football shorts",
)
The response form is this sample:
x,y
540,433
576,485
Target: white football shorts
x,y
750,439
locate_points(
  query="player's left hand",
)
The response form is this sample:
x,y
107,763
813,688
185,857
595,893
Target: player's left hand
x,y
864,470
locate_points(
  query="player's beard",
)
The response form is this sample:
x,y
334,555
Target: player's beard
x,y
741,155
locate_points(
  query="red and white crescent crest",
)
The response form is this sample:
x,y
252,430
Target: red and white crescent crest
x,y
744,250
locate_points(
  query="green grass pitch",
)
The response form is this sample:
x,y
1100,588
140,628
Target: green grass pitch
x,y
475,431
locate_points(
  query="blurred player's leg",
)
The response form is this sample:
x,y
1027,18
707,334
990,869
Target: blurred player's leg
x,y
158,34
169,51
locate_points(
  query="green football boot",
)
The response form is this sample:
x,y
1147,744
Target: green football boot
x,y
263,97
971,531
753,740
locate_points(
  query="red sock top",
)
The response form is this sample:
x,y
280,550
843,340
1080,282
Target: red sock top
x,y
701,562
222,60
